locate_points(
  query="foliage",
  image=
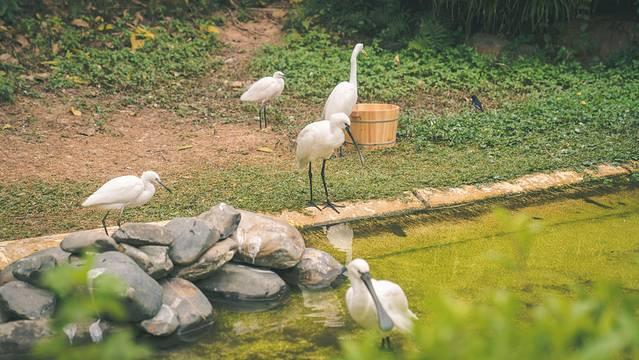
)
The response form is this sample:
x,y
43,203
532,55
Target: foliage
x,y
601,323
119,55
7,87
80,301
396,21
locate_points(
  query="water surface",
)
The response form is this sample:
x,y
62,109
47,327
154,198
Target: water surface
x,y
583,239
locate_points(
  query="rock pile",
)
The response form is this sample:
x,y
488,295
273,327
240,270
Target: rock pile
x,y
172,274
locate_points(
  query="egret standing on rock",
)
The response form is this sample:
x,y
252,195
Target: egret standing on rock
x,y
263,90
344,96
124,191
373,303
317,141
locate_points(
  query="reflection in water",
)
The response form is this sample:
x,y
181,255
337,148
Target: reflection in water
x,y
341,237
324,307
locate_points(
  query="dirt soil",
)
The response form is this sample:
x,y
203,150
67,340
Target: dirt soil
x,y
41,139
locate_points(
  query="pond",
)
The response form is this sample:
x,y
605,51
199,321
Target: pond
x,y
584,237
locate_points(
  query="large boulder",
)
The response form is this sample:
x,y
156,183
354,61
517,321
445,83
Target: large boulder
x,y
160,263
23,301
317,270
143,234
143,294
29,268
218,255
4,316
17,338
267,242
245,287
193,309
92,240
140,257
192,238
222,217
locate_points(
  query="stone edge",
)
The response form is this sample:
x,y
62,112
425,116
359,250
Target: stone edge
x,y
410,202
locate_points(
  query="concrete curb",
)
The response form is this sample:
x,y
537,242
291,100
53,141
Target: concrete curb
x,y
408,203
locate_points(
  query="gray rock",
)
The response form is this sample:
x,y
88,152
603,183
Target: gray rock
x,y
193,309
4,317
317,270
143,294
223,218
245,287
143,234
267,242
164,323
192,238
140,257
161,264
29,268
23,301
218,255
17,338
93,240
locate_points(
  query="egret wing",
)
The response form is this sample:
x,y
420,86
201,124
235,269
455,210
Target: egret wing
x,y
263,89
342,99
306,142
120,190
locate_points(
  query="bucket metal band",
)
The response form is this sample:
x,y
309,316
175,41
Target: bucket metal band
x,y
372,122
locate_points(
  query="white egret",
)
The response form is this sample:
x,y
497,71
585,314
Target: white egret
x,y
344,96
374,303
317,141
263,90
124,191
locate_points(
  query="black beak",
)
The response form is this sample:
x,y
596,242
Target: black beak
x,y
164,186
385,322
361,158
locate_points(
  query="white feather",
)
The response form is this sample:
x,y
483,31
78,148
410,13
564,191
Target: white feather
x,y
116,193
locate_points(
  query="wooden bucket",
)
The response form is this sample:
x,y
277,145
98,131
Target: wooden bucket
x,y
374,126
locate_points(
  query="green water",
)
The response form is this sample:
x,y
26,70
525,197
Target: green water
x,y
583,239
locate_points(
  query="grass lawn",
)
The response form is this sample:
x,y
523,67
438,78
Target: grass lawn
x,y
540,116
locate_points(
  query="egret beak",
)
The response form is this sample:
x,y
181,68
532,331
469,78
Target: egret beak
x,y
361,158
164,186
385,322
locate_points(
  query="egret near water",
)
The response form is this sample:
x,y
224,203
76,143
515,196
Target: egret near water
x,y
376,303
124,191
317,141
344,96
264,90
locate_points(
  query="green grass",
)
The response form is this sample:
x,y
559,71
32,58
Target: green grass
x,y
100,53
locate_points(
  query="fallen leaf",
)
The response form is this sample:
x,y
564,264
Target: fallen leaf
x,y
184,147
213,29
8,59
135,43
141,30
237,84
278,13
265,149
76,80
7,127
583,102
3,28
75,111
80,23
22,40
396,59
55,48
105,27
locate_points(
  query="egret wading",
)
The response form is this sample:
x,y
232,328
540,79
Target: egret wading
x,y
376,303
124,191
264,90
317,141
344,96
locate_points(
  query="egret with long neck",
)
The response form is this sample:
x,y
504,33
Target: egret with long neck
x,y
317,141
344,96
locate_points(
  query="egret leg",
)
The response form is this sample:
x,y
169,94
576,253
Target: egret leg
x,y
260,115
120,217
341,151
265,116
310,186
104,222
328,203
386,343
